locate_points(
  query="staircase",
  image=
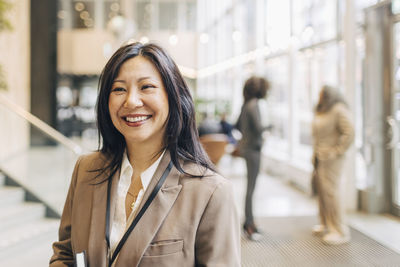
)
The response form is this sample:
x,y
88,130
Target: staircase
x,y
25,234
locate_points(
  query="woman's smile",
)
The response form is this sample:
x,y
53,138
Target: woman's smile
x,y
136,120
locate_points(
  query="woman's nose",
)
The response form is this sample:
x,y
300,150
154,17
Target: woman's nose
x,y
133,100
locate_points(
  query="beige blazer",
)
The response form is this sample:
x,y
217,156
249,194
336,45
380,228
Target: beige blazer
x,y
333,133
191,221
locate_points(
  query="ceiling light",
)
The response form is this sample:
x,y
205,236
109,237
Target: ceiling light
x,y
173,40
88,22
236,36
61,14
114,7
144,40
308,33
84,15
204,38
131,41
79,6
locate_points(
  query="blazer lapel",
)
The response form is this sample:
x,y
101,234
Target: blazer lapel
x,y
147,227
97,242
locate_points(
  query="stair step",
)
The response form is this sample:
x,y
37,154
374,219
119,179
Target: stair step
x,y
10,195
23,213
27,236
37,256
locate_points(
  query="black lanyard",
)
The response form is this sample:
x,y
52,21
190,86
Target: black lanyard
x,y
138,216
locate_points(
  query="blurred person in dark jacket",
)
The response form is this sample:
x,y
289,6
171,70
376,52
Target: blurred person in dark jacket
x,y
227,129
333,133
209,126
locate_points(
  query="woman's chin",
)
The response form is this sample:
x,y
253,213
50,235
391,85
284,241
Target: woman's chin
x,y
142,140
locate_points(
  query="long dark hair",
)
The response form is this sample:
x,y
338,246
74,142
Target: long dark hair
x,y
181,136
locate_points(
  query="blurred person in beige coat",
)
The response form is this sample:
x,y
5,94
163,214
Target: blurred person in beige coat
x,y
149,196
333,133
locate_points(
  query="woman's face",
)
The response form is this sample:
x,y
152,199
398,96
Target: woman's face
x,y
138,102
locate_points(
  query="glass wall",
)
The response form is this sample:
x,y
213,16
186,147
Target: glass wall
x,y
297,45
303,49
276,70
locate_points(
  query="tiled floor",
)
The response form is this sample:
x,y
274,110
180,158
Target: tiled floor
x,y
383,228
275,197
272,196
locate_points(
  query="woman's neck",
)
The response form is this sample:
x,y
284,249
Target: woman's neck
x,y
142,156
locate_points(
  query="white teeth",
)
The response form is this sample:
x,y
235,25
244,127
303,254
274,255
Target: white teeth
x,y
136,119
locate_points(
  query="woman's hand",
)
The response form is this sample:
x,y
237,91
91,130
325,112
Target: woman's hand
x,y
326,153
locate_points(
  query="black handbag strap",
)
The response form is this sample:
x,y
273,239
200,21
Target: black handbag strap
x,y
138,216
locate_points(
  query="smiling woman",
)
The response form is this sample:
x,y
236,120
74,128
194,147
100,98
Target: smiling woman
x,y
138,105
149,196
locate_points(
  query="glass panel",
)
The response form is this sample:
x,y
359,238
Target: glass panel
x,y
277,13
396,117
314,68
168,15
250,25
302,113
361,162
191,16
144,12
314,21
360,5
76,100
111,9
278,103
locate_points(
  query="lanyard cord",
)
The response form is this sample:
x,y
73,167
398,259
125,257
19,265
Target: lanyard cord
x,y
137,218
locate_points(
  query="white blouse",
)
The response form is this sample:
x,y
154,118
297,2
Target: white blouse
x,y
119,224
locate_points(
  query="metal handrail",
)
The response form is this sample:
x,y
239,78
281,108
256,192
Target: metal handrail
x,y
41,125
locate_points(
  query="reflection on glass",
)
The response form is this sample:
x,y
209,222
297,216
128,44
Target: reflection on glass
x,y
111,10
395,115
144,12
277,13
361,150
278,103
313,69
319,15
190,16
168,14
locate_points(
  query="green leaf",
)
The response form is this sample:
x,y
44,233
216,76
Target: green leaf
x,y
3,84
5,24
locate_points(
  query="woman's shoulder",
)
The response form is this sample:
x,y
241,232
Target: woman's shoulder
x,y
91,160
89,166
339,107
252,103
207,178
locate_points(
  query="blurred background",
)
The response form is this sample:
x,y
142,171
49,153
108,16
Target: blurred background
x,y
52,53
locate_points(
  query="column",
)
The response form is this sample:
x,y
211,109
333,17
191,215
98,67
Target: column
x,y
349,28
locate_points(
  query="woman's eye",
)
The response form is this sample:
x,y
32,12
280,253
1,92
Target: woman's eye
x,y
147,86
118,89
